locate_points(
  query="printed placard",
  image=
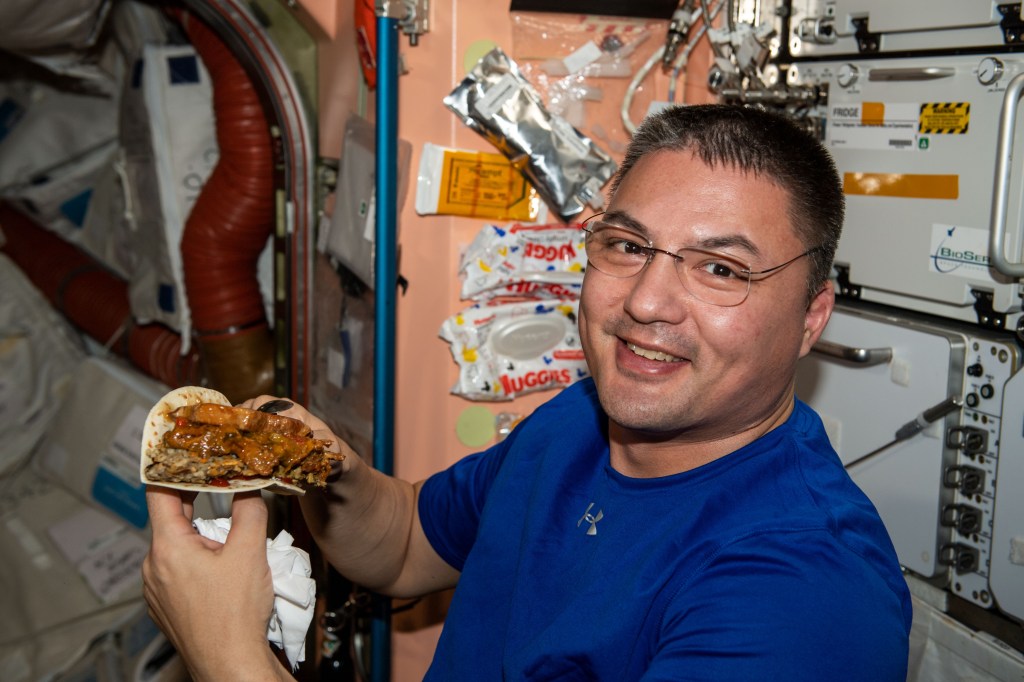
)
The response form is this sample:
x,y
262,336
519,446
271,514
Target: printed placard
x,y
874,125
945,118
105,553
960,252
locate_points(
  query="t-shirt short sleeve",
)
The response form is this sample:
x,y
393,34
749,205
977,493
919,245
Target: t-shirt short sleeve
x,y
451,502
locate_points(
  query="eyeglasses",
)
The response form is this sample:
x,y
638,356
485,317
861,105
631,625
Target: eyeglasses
x,y
709,276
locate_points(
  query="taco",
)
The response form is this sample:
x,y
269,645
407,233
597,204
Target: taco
x,y
194,439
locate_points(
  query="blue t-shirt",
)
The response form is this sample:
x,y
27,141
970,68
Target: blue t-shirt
x,y
766,564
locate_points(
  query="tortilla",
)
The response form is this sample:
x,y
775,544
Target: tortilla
x,y
157,424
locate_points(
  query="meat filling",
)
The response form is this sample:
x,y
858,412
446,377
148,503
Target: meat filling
x,y
195,452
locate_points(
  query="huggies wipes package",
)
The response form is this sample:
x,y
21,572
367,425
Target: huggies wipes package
x,y
520,336
536,261
508,349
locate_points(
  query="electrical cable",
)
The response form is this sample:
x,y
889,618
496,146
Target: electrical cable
x,y
707,22
684,55
638,78
914,426
641,75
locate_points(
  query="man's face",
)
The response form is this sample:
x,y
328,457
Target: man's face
x,y
670,366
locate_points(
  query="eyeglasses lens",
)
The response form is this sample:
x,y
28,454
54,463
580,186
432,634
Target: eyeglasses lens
x,y
710,277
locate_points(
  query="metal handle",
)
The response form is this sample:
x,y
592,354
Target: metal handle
x,y
865,357
923,73
1001,191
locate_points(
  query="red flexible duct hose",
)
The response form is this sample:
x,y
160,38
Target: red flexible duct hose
x,y
94,299
224,235
228,228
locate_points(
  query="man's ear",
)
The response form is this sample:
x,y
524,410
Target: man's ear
x,y
819,310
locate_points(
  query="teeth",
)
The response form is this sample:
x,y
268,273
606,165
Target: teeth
x,y
652,354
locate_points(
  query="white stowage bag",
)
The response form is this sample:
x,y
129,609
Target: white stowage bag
x,y
113,159
38,356
30,26
48,139
170,149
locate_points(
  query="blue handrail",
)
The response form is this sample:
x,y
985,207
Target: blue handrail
x,y
386,281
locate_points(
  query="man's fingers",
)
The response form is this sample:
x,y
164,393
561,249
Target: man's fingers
x,y
168,511
248,520
254,403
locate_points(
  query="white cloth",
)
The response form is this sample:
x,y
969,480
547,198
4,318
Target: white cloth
x,y
294,590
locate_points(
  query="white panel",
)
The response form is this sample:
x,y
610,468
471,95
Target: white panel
x,y
903,247
944,650
900,25
887,16
1007,568
866,405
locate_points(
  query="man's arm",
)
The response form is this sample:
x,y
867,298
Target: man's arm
x,y
367,524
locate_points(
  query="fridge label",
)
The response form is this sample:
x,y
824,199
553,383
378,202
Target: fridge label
x,y
874,125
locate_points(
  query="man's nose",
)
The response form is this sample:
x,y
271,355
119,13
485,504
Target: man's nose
x,y
658,294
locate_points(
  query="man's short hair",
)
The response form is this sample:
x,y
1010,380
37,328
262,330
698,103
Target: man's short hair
x,y
766,144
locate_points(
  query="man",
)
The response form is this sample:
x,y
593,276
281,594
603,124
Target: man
x,y
681,516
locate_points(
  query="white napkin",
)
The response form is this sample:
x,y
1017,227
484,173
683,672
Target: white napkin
x,y
294,590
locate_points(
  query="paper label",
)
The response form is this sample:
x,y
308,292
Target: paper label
x,y
945,118
874,125
114,568
117,484
122,455
582,57
106,554
959,251
497,95
485,185
125,499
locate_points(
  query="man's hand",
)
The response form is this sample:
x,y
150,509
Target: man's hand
x,y
320,430
213,601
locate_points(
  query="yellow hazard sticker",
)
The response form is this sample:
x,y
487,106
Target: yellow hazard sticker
x,y
944,118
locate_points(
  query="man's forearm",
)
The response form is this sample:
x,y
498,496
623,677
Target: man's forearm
x,y
363,524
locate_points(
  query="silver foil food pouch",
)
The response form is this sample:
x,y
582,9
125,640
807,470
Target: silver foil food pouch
x,y
566,167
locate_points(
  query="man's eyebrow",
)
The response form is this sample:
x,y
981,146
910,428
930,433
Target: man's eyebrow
x,y
713,243
624,219
730,241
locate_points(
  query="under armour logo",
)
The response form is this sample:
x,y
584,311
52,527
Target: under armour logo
x,y
591,519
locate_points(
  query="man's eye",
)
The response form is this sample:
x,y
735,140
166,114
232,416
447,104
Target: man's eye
x,y
719,269
626,246
632,248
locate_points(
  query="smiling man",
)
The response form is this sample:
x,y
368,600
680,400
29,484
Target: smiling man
x,y
689,349
681,516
